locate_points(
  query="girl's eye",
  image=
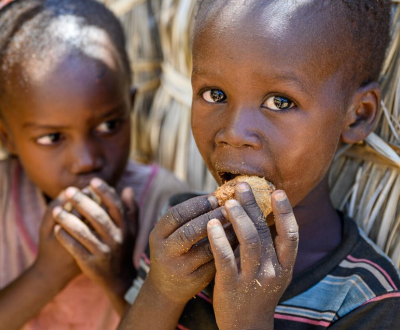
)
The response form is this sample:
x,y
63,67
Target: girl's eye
x,y
107,127
278,103
214,96
49,139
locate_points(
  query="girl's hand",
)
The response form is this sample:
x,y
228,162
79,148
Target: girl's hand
x,y
181,258
247,292
55,264
103,247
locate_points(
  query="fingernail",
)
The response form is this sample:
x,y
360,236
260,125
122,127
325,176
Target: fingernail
x,y
242,187
68,207
56,211
96,182
231,203
280,196
214,223
70,192
213,201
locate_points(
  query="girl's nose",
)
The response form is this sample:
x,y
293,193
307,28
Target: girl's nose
x,y
85,158
240,130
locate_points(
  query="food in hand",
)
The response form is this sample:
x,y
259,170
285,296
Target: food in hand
x,y
262,190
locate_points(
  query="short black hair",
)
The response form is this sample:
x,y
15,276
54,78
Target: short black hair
x,y
368,23
23,23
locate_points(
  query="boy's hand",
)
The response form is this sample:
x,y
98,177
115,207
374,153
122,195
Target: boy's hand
x,y
54,262
247,293
103,249
181,259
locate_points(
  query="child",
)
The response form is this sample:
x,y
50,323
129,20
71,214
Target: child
x,y
277,86
65,120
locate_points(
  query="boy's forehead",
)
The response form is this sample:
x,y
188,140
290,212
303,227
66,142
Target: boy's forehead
x,y
306,29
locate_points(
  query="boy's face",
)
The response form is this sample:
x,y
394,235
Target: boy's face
x,y
69,124
265,101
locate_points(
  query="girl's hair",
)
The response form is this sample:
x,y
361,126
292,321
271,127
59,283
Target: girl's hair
x,y
24,25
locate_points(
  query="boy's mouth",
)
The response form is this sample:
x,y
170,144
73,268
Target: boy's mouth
x,y
227,176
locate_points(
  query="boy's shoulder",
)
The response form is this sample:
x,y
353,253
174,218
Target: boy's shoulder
x,y
355,278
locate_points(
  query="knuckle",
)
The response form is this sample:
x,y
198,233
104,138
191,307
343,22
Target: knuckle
x,y
207,251
252,241
175,217
250,204
293,236
187,234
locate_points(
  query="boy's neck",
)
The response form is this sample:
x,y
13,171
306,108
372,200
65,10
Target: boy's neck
x,y
320,227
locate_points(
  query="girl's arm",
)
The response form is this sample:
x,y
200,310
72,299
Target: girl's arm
x,y
22,299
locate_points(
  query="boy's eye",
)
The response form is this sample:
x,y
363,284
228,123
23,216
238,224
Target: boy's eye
x,y
278,103
214,96
49,139
107,127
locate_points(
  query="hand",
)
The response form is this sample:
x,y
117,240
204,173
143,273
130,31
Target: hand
x,y
181,258
247,293
54,262
103,247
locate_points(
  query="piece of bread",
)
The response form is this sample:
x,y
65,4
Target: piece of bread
x,y
262,190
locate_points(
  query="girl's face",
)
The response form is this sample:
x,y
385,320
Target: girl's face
x,y
71,125
262,105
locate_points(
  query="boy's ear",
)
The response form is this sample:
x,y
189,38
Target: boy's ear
x,y
6,140
133,96
362,113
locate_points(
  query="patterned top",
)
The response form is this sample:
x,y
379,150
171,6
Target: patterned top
x,y
354,287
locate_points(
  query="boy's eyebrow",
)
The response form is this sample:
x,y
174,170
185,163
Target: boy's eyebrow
x,y
285,76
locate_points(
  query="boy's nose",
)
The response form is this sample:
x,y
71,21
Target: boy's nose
x,y
85,159
239,131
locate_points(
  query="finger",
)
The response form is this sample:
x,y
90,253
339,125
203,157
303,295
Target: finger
x,y
180,214
77,250
246,198
110,200
191,232
224,258
95,215
205,272
249,240
287,240
128,199
78,230
201,252
48,223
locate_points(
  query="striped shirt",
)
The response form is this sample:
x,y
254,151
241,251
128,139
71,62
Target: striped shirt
x,y
354,287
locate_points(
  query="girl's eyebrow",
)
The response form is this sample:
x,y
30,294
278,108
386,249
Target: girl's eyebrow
x,y
36,125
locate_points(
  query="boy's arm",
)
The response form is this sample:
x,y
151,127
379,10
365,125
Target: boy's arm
x,y
53,269
152,310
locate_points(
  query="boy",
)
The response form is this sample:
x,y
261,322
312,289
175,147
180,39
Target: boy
x,y
277,86
65,105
